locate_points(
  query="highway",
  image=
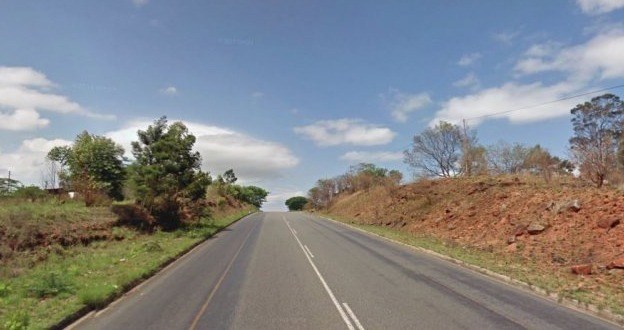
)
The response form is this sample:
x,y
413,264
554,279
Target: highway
x,y
297,271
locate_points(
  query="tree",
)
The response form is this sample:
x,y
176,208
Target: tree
x,y
597,129
94,165
9,186
229,176
540,161
253,195
436,151
504,158
167,172
474,160
296,203
60,155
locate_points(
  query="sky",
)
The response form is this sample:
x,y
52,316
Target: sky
x,y
288,92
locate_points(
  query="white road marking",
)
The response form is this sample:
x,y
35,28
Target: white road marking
x,y
355,319
344,316
310,252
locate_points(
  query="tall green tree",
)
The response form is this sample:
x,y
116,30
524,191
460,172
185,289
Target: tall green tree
x,y
94,165
167,171
597,129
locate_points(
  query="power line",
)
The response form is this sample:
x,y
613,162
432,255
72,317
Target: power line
x,y
548,102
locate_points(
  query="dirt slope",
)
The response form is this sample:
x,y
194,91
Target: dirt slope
x,y
558,225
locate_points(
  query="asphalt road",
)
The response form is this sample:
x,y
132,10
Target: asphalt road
x,y
296,271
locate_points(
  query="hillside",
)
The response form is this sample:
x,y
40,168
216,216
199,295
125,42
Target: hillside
x,y
516,219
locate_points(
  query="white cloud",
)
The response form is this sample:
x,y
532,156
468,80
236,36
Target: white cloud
x,y
600,57
402,104
469,81
140,3
27,162
510,96
22,76
371,156
580,65
469,59
222,149
22,120
169,90
346,131
26,88
594,7
505,37
257,95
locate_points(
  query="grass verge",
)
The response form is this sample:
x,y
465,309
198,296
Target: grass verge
x,y
80,278
603,300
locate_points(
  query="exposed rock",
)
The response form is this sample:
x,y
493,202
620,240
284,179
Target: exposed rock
x,y
617,263
535,228
583,269
511,239
571,205
608,223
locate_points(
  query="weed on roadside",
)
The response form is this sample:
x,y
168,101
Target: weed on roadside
x,y
51,284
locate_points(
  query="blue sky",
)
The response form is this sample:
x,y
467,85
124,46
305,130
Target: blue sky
x,y
289,92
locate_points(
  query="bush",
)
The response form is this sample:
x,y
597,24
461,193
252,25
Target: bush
x,y
135,216
96,296
31,193
52,284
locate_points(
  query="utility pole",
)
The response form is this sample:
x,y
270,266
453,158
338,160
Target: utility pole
x,y
8,188
465,146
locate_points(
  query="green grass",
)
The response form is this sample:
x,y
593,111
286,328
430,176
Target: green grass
x,y
89,276
527,271
47,212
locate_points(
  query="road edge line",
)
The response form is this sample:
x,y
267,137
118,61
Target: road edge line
x,y
588,309
75,319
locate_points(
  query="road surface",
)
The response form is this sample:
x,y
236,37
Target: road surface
x,y
297,271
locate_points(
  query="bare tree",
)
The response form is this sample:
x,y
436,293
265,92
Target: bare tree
x,y
49,174
540,161
436,151
504,158
597,128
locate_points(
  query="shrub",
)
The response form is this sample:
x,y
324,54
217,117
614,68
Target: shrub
x,y
31,193
135,216
52,284
96,296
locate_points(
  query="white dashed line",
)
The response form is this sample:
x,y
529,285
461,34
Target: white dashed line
x,y
344,316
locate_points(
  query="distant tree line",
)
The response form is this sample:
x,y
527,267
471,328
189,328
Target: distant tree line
x,y
359,177
596,148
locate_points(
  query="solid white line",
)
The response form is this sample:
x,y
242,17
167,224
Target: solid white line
x,y
308,249
344,316
355,319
